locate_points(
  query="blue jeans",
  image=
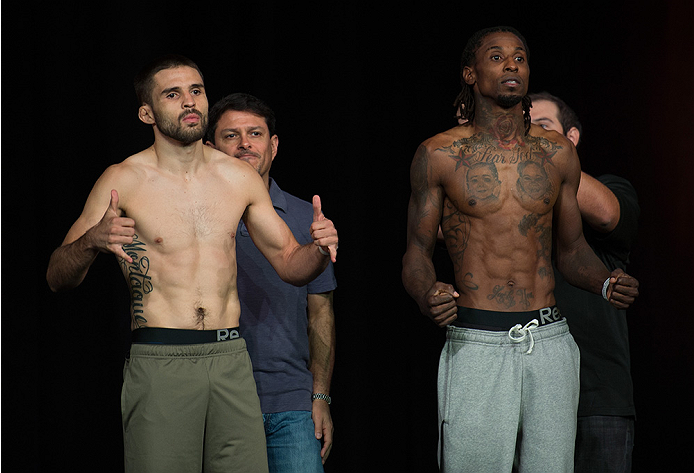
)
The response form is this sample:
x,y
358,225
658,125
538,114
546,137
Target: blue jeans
x,y
292,446
604,444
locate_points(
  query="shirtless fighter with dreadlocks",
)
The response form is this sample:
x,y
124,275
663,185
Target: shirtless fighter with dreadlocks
x,y
497,185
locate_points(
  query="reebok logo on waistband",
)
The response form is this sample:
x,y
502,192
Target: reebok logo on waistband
x,y
549,315
227,334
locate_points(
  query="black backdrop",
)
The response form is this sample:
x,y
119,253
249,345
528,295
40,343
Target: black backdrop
x,y
356,88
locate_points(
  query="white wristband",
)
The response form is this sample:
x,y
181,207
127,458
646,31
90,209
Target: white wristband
x,y
320,248
605,285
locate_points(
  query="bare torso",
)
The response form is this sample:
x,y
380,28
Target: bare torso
x,y
497,215
183,273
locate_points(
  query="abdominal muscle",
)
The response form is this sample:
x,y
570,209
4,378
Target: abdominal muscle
x,y
496,268
191,289
507,287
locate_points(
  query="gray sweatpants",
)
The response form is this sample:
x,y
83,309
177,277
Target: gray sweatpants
x,y
503,400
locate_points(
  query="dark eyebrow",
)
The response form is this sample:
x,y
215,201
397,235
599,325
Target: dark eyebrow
x,y
176,88
518,48
252,128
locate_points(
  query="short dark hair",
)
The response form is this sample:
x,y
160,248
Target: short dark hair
x,y
567,117
240,102
144,80
465,101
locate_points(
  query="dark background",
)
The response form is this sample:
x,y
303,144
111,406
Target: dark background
x,y
356,87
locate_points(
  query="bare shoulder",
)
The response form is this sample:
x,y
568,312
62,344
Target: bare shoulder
x,y
434,153
554,149
230,168
240,175
552,141
448,138
124,175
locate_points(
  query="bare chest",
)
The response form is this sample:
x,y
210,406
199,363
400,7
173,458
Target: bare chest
x,y
481,178
175,217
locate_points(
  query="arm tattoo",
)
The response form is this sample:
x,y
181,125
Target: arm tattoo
x,y
139,281
420,172
425,197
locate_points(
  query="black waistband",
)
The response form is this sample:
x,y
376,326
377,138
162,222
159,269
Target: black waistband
x,y
500,321
175,336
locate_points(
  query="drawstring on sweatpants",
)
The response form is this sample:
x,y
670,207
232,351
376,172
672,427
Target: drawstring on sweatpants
x,y
524,331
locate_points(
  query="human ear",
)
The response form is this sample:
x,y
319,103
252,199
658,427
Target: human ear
x,y
275,143
469,75
574,135
145,114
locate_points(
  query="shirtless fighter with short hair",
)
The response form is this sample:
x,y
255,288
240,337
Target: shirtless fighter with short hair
x,y
170,215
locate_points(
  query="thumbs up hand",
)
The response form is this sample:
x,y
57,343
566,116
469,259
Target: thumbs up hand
x,y
323,231
114,231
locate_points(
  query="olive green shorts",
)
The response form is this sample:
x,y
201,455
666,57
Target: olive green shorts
x,y
192,408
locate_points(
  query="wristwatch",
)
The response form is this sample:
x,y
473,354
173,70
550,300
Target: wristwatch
x,y
321,396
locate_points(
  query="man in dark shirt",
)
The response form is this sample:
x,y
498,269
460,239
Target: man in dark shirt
x,y
609,208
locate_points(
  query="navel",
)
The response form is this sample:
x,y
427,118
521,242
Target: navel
x,y
510,283
472,202
200,314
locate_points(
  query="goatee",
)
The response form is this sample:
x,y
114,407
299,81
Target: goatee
x,y
508,101
183,133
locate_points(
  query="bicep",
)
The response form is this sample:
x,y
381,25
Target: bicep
x,y
567,215
599,206
95,207
266,228
424,211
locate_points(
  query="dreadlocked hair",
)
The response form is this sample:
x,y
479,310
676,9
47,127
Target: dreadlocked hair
x,y
527,104
465,101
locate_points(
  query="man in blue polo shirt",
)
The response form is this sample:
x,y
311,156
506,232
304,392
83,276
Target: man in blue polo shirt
x,y
289,330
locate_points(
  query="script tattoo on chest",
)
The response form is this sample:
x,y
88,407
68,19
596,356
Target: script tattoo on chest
x,y
484,148
136,274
